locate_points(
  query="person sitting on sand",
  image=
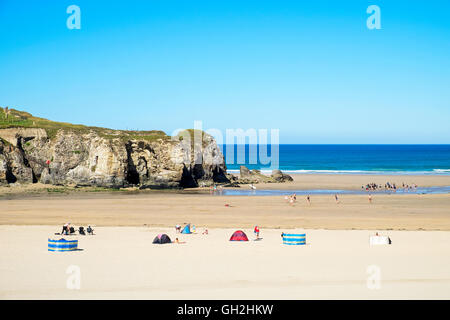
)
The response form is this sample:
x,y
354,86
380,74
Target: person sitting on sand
x,y
90,230
205,231
65,229
177,228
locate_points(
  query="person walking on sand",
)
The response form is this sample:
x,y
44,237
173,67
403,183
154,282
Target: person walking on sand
x,y
308,198
370,198
336,198
291,200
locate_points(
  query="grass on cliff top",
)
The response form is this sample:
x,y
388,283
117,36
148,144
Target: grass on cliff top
x,y
21,119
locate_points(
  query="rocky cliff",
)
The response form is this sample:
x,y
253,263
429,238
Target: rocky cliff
x,y
38,150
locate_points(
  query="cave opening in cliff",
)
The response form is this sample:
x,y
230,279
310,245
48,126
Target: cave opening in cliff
x,y
133,177
187,180
10,177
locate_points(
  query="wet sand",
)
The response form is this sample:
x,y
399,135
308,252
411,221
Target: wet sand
x,y
397,212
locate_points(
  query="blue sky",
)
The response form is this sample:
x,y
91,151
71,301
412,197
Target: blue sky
x,y
309,68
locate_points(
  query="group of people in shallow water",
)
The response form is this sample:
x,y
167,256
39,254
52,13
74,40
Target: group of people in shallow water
x,y
388,186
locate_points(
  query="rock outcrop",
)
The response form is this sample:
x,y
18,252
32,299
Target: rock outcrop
x,y
34,150
279,176
255,176
29,155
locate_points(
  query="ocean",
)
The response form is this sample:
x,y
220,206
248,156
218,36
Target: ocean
x,y
344,159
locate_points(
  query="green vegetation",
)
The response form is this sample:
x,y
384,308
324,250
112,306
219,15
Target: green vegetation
x,y
57,190
21,119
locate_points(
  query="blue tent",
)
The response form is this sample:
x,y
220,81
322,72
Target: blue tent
x,y
187,229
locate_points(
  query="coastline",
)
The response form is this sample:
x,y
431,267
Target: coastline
x,y
300,182
354,181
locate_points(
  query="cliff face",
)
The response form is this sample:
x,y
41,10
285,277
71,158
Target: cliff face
x,y
29,155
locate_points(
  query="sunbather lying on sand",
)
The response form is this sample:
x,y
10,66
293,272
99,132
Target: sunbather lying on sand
x,y
178,241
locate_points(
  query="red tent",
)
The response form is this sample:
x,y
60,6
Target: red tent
x,y
239,236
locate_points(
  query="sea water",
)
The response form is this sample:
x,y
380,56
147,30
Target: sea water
x,y
347,159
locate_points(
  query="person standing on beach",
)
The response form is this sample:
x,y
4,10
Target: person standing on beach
x,y
291,200
370,198
336,198
256,231
308,199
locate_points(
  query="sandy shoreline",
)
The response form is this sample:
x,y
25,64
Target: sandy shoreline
x,y
354,181
167,208
301,182
122,263
397,212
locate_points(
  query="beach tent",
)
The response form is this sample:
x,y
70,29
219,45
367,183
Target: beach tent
x,y
187,229
161,239
294,238
376,240
239,236
62,245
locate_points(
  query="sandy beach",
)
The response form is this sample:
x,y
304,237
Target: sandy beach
x,y
122,263
165,209
355,181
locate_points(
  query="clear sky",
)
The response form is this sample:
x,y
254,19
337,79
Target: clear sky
x,y
309,68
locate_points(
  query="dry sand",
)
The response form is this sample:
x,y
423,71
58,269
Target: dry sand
x,y
122,263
